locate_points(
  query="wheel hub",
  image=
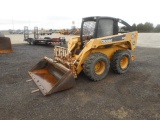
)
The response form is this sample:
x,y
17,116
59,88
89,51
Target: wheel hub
x,y
99,67
124,62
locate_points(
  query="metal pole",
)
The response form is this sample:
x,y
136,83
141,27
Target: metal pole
x,y
12,23
29,23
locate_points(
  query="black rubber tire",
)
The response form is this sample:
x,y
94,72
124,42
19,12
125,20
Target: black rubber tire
x,y
31,42
116,59
89,66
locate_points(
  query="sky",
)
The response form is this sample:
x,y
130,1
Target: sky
x,y
59,14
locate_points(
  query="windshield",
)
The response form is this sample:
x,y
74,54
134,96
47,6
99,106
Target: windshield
x,y
105,27
88,28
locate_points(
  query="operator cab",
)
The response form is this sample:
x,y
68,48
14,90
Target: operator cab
x,y
96,27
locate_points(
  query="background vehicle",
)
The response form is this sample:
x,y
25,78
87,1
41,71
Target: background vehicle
x,y
45,32
38,40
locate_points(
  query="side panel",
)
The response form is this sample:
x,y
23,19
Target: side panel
x,y
107,51
107,45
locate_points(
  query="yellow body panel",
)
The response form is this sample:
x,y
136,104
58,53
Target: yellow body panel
x,y
106,45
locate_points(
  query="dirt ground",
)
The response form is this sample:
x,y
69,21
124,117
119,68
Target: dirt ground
x,y
131,96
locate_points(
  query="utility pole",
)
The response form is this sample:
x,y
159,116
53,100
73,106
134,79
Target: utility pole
x,y
12,23
29,23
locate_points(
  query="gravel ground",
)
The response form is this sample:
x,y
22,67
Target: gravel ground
x,y
131,96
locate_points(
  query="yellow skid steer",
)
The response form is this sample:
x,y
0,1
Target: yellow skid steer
x,y
100,46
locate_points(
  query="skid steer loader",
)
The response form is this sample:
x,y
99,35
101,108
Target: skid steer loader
x,y
99,47
5,44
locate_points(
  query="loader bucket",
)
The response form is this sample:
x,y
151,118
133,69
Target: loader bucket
x,y
51,77
5,45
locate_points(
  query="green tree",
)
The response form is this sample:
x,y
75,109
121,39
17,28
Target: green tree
x,y
148,27
157,28
140,27
134,27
